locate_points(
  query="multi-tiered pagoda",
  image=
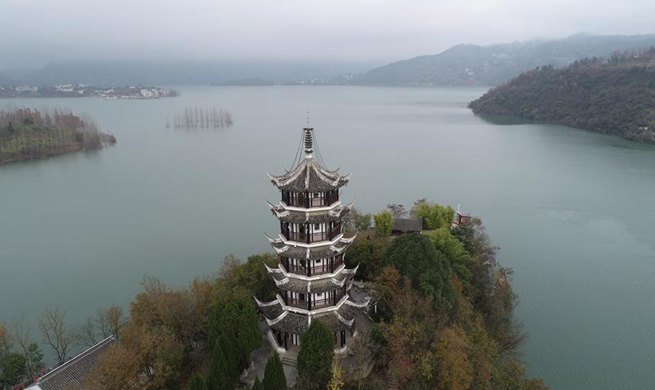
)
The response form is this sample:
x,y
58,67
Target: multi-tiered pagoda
x,y
313,281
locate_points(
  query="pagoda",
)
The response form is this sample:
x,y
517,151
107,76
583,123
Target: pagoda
x,y
312,279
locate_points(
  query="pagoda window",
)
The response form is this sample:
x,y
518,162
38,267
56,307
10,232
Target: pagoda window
x,y
331,197
317,199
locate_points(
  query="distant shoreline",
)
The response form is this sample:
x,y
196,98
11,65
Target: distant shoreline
x,y
136,92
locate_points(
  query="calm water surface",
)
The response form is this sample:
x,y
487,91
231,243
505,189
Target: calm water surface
x,y
571,210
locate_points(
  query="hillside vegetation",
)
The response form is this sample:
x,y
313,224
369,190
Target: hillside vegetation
x,y
614,95
27,134
496,64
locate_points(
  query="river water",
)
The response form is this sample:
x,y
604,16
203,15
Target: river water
x,y
570,210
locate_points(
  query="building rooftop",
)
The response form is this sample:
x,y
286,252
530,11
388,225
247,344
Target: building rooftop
x,y
293,216
407,225
310,253
337,320
73,373
310,176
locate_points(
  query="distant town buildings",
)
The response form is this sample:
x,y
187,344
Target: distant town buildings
x,y
83,90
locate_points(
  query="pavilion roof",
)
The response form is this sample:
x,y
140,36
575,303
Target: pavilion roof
x,y
303,286
310,176
310,253
337,320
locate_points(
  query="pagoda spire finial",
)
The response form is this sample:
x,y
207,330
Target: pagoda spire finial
x,y
309,142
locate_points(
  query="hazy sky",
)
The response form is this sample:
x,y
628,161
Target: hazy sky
x,y
33,32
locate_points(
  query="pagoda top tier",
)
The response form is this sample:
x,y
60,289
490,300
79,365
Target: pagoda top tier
x,y
309,175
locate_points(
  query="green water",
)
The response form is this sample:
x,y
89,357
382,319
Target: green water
x,y
571,210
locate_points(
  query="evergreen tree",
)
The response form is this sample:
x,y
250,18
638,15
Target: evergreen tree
x,y
274,378
257,385
197,383
315,357
222,374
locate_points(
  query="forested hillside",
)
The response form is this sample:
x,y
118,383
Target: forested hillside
x,y
27,134
496,64
614,95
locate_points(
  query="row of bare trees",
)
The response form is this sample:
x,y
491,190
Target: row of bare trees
x,y
203,118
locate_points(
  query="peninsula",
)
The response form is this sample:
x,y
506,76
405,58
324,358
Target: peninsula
x,y
27,134
613,95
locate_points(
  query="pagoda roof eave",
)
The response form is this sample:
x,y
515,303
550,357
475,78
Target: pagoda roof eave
x,y
309,176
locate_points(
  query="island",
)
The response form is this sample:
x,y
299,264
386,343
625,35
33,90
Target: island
x,y
613,95
83,90
27,134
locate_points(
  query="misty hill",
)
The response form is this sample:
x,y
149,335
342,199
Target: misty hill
x,y
4,80
614,95
116,73
495,64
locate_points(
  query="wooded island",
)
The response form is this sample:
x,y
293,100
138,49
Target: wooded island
x,y
27,134
614,95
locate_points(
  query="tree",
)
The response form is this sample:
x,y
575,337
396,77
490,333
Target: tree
x,y
416,257
397,209
367,252
257,385
4,343
34,359
13,369
356,222
315,356
30,349
383,223
274,378
197,383
336,381
147,358
455,371
433,215
223,372
454,251
55,333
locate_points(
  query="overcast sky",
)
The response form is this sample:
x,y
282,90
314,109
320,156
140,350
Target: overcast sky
x,y
34,32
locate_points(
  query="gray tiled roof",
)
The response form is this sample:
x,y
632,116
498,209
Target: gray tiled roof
x,y
331,320
292,323
350,312
315,253
271,311
310,176
72,374
407,225
311,217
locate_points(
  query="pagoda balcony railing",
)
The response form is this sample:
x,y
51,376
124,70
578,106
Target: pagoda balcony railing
x,y
299,303
332,300
309,238
306,200
296,269
319,269
329,301
323,268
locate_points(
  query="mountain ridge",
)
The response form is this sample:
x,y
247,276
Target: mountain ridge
x,y
470,64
